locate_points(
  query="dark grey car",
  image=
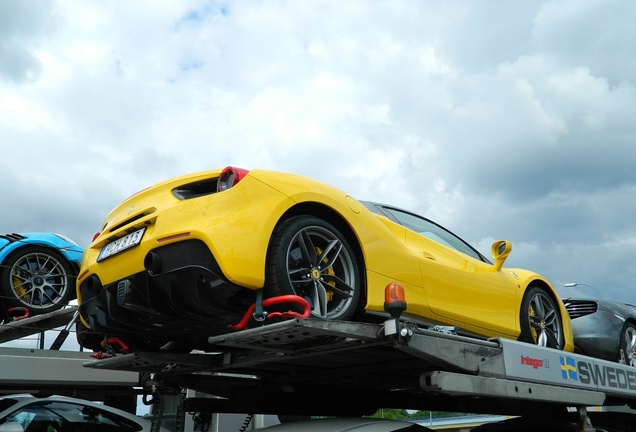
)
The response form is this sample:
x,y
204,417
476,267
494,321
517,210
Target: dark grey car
x,y
604,329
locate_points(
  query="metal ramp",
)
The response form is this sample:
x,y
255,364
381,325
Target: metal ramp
x,y
17,329
52,371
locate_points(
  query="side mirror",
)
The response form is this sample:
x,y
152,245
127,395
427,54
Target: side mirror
x,y
11,427
500,251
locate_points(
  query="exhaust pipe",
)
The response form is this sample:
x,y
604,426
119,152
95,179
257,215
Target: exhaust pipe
x,y
93,284
153,263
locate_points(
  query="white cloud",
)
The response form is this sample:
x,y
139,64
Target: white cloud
x,y
497,119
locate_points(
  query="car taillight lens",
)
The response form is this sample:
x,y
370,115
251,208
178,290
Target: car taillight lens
x,y
96,235
229,177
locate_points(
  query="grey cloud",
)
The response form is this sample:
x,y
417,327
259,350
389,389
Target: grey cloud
x,y
21,25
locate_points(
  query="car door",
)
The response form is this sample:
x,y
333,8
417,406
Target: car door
x,y
461,286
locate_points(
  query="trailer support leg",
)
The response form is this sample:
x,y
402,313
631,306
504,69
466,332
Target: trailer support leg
x,y
584,423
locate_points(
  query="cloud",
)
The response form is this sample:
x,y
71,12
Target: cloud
x,y
496,119
22,24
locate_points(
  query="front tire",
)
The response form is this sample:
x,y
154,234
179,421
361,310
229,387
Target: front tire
x,y
38,279
310,258
627,345
540,319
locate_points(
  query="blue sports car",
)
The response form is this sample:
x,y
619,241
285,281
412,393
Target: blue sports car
x,y
37,273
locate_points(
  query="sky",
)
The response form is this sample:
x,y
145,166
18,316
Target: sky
x,y
499,119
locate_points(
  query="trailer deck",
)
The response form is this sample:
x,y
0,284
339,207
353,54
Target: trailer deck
x,y
315,367
304,367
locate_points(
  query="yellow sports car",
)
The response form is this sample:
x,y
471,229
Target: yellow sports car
x,y
226,249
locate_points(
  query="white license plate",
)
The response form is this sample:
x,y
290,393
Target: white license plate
x,y
121,244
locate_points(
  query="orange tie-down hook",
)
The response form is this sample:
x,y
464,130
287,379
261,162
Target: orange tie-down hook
x,y
289,298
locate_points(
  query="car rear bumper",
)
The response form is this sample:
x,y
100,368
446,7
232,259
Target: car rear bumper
x,y
181,295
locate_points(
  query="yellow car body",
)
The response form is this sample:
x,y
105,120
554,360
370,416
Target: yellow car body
x,y
178,219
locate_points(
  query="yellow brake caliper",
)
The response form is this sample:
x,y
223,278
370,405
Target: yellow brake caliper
x,y
533,331
329,271
18,285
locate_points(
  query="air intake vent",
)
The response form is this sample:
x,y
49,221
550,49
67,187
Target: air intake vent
x,y
579,308
196,189
13,237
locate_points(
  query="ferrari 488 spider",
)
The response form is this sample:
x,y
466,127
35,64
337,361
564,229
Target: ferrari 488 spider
x,y
193,256
37,272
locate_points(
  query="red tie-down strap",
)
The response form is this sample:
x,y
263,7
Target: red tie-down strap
x,y
289,298
114,342
112,345
101,355
18,313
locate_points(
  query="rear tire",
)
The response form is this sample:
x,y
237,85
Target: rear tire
x,y
310,258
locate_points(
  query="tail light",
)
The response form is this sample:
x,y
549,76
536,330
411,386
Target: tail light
x,y
229,177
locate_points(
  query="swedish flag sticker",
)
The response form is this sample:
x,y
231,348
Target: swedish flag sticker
x,y
568,368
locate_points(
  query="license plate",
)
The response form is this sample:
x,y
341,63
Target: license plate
x,y
121,244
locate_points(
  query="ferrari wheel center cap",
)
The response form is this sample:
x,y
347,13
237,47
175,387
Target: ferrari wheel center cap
x,y
315,273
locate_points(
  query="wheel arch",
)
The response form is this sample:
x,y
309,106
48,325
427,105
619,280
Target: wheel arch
x,y
539,283
337,220
565,316
75,267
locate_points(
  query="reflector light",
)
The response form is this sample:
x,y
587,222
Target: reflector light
x,y
173,237
95,236
229,177
394,299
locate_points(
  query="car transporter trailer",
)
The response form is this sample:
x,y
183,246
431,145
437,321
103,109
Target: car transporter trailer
x,y
310,367
313,367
